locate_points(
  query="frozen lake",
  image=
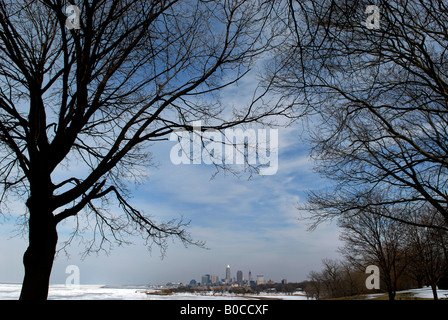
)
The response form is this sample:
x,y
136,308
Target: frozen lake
x,y
100,292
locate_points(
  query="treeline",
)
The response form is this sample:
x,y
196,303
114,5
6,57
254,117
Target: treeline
x,y
408,256
284,288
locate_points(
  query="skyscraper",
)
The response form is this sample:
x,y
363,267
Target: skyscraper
x,y
205,279
228,274
239,277
251,282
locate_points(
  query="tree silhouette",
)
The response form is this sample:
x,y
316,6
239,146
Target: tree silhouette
x,y
376,81
98,95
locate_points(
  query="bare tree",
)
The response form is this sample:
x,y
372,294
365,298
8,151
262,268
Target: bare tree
x,y
428,250
379,98
371,238
336,279
97,96
331,277
314,288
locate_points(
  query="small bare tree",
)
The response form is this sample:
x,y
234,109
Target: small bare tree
x,y
96,96
336,279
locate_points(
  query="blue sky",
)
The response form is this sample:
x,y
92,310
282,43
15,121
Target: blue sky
x,y
248,224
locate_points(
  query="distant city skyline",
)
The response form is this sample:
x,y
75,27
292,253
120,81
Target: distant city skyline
x,y
239,279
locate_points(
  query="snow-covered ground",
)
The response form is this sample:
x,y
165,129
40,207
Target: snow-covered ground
x,y
100,292
83,292
424,293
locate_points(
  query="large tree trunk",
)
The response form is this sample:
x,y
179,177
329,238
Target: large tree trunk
x,y
38,258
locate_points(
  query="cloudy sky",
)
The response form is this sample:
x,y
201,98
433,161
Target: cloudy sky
x,y
249,224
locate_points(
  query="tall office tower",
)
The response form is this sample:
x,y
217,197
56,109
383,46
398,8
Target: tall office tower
x,y
205,279
239,276
228,274
250,276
